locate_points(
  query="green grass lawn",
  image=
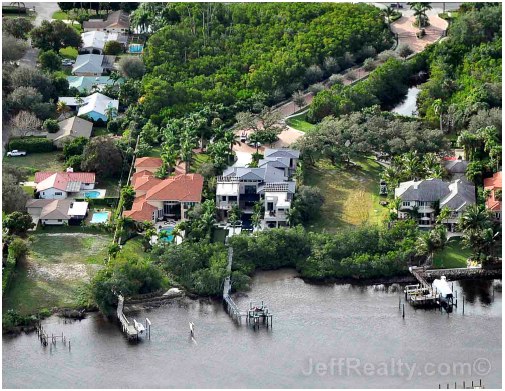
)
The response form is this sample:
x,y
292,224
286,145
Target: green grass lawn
x,y
299,122
452,256
69,52
110,185
57,269
198,160
60,15
351,195
134,247
47,161
100,131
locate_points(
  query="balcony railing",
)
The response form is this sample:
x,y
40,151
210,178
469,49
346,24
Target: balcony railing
x,y
226,205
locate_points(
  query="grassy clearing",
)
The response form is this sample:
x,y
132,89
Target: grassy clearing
x,y
100,131
57,270
69,52
198,160
60,15
134,247
299,122
110,185
47,161
452,256
351,195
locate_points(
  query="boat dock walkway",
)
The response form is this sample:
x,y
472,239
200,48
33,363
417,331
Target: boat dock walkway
x,y
254,314
421,294
132,331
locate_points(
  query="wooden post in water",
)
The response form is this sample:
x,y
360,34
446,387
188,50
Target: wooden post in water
x,y
399,302
463,304
403,315
69,345
464,385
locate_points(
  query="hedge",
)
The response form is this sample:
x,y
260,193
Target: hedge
x,y
31,144
10,9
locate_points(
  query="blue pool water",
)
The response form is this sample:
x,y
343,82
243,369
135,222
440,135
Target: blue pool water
x,y
136,48
168,238
92,194
100,217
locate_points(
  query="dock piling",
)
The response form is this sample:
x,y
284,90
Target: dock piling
x,y
403,315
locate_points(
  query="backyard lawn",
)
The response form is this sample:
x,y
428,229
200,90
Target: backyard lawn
x,y
452,256
69,52
351,195
47,161
56,270
299,122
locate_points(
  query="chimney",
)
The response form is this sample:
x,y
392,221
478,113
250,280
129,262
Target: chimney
x,y
70,169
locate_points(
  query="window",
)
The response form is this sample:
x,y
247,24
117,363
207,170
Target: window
x,y
232,198
59,221
58,193
406,203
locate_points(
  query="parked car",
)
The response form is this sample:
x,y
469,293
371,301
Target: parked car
x,y
15,152
67,62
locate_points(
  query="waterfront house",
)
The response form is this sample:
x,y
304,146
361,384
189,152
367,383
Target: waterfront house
x,y
116,22
94,107
162,199
493,201
60,185
70,129
56,212
91,84
268,183
423,199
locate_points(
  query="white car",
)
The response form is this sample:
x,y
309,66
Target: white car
x,y
15,152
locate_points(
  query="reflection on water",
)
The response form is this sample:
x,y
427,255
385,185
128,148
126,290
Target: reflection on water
x,y
312,323
409,105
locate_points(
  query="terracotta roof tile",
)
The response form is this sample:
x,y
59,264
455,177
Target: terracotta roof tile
x,y
185,187
148,162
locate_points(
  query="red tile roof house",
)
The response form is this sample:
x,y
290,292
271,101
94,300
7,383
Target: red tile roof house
x,y
60,185
493,202
162,199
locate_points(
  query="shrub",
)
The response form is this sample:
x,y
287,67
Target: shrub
x,y
405,50
369,64
32,144
51,126
113,48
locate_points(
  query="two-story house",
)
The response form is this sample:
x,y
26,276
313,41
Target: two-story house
x,y
425,198
61,185
493,201
269,183
162,199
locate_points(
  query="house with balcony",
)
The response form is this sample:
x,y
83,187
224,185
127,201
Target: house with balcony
x,y
167,199
268,183
422,200
493,186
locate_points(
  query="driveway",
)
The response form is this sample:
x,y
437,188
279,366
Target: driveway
x,y
44,11
407,32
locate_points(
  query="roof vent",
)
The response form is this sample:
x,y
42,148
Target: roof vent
x,y
70,169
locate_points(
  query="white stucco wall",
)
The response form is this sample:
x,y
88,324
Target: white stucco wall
x,y
50,194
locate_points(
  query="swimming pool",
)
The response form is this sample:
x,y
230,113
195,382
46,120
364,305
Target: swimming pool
x,y
91,194
100,217
169,237
136,48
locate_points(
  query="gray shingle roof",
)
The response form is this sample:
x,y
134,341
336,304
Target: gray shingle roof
x,y
456,166
455,195
282,152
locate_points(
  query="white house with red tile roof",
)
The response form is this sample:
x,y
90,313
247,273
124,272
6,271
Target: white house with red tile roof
x,y
493,202
60,185
160,199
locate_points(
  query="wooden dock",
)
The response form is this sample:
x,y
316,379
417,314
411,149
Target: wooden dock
x,y
255,314
131,332
422,294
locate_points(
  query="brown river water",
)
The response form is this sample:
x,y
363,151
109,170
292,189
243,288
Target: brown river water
x,y
338,336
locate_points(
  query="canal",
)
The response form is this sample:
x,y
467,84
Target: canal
x,y
408,106
340,336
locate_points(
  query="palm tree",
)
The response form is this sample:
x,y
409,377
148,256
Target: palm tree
x,y
231,139
444,214
110,112
469,142
257,215
412,165
62,108
169,157
188,143
426,245
388,13
438,108
292,216
475,217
